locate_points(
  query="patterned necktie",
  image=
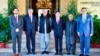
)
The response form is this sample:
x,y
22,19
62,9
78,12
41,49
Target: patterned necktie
x,y
16,18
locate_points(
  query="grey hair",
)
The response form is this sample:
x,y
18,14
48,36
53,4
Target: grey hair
x,y
30,9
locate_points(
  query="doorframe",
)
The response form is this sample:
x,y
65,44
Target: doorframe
x,y
53,9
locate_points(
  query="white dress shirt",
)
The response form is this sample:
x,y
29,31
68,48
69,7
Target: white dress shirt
x,y
31,17
83,18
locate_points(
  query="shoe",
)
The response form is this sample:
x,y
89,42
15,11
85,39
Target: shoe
x,y
46,52
33,53
14,55
56,53
43,52
73,53
68,53
81,55
60,53
19,54
28,53
86,55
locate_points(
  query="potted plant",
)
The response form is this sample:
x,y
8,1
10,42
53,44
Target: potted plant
x,y
3,39
4,30
95,40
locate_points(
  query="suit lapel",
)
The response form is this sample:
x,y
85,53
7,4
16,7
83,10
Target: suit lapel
x,y
86,19
18,20
29,18
32,18
14,20
81,19
56,21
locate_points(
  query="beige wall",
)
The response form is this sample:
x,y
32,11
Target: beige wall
x,y
3,6
92,5
21,6
63,6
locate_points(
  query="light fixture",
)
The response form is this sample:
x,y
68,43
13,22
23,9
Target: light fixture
x,y
44,4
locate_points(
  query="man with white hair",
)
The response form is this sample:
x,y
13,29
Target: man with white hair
x,y
44,30
30,28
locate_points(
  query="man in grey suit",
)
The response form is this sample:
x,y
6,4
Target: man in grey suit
x,y
16,24
71,35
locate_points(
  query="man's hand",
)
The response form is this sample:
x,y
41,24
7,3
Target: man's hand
x,y
36,32
78,33
17,29
91,35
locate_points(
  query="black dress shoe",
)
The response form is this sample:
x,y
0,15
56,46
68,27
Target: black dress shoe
x,y
33,53
46,52
73,53
60,53
86,55
68,53
56,53
43,52
81,55
28,53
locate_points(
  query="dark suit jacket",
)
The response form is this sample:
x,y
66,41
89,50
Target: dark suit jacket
x,y
30,26
71,31
48,25
14,24
58,28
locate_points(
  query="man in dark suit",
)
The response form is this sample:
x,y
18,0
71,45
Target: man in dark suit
x,y
84,31
44,30
16,24
71,35
58,26
30,27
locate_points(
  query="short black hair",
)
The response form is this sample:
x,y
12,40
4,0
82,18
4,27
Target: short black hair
x,y
57,11
30,8
16,8
83,8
